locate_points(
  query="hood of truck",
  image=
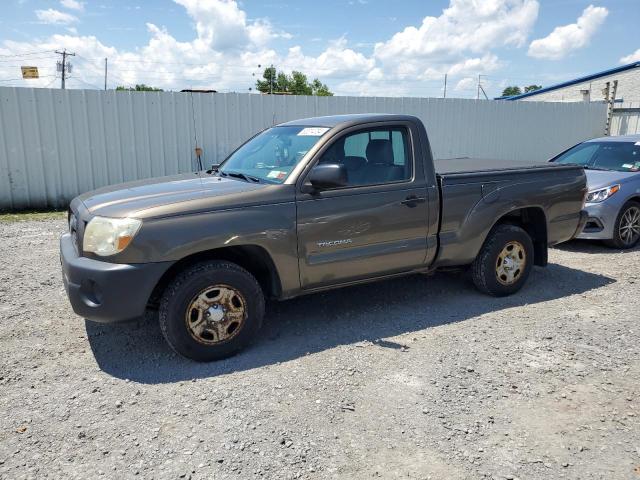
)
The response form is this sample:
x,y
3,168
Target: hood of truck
x,y
176,195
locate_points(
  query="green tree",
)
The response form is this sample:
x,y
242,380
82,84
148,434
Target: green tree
x,y
269,82
510,91
282,83
320,89
139,88
297,83
532,88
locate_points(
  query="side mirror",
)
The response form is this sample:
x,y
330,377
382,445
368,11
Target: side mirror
x,y
328,175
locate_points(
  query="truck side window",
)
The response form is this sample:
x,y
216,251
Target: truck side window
x,y
372,157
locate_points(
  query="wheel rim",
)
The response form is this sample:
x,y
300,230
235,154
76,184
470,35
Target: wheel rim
x,y
629,229
216,314
511,263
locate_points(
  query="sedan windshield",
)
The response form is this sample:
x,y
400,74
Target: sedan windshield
x,y
615,156
271,155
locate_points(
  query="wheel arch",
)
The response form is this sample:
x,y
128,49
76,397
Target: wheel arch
x,y
632,198
253,258
532,220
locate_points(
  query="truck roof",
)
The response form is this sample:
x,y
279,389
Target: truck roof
x,y
347,120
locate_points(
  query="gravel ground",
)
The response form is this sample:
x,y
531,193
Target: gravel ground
x,y
420,377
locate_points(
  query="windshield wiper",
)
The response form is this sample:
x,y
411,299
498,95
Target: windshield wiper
x,y
589,167
242,176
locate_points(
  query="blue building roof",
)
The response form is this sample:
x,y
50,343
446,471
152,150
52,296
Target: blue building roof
x,y
587,78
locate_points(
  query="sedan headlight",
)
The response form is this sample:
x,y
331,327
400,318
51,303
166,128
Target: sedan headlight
x,y
600,195
108,236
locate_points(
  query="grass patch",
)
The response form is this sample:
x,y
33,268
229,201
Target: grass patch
x,y
32,215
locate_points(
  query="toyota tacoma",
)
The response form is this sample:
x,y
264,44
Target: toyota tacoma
x,y
302,207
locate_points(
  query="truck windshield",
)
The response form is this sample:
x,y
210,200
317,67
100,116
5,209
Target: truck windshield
x,y
616,156
271,155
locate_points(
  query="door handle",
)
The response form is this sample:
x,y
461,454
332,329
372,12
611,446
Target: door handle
x,y
413,200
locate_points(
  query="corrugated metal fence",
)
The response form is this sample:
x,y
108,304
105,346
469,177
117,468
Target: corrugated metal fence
x,y
626,119
55,144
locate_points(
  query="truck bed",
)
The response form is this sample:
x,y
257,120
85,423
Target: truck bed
x,y
474,165
472,190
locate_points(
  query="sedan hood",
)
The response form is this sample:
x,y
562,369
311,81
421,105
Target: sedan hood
x,y
174,195
603,178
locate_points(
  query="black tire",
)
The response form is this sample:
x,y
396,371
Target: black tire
x,y
177,302
618,241
484,267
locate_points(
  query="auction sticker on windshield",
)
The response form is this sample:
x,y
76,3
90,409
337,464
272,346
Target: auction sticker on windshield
x,y
312,131
277,174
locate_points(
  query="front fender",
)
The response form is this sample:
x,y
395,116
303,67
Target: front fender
x,y
272,227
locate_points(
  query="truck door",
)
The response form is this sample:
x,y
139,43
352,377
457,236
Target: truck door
x,y
378,223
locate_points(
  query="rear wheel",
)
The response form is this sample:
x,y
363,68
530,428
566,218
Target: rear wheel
x,y
211,311
504,262
626,230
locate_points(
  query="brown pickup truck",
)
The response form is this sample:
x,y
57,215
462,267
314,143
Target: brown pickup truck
x,y
302,207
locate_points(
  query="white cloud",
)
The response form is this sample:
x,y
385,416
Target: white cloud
x,y
55,17
466,84
466,26
458,42
336,61
222,25
227,47
486,63
632,57
568,38
72,5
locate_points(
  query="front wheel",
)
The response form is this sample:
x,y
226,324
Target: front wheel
x,y
211,311
626,230
504,262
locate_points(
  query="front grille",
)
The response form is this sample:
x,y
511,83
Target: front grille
x,y
73,229
77,224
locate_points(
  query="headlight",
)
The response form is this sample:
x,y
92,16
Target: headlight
x,y
108,236
600,195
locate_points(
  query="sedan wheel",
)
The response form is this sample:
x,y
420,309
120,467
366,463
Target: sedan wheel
x,y
629,229
626,230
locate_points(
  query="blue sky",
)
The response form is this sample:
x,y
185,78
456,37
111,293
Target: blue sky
x,y
357,47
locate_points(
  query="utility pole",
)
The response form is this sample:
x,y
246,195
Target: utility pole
x,y
105,73
445,86
478,95
271,79
63,67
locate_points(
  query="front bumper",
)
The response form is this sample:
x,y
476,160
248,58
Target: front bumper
x,y
107,292
599,225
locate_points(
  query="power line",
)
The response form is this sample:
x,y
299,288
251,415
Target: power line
x,y
28,53
82,81
25,59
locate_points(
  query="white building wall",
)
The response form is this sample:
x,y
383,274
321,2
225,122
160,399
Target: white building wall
x,y
626,119
628,89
